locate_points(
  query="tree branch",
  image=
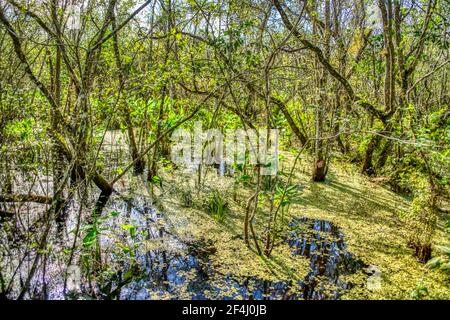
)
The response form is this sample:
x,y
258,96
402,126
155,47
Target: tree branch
x,y
334,73
25,198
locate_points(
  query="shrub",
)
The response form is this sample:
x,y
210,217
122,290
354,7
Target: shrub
x,y
421,222
217,206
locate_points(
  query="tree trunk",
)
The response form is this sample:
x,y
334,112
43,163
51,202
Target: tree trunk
x,y
367,167
139,165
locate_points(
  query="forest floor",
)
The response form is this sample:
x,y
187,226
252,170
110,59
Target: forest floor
x,y
184,252
368,214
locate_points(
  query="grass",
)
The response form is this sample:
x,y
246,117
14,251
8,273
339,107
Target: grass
x,y
217,206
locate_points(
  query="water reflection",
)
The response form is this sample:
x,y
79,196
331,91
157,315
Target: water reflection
x,y
154,263
190,276
323,243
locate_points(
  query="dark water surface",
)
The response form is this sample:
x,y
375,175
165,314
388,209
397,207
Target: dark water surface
x,y
151,262
189,274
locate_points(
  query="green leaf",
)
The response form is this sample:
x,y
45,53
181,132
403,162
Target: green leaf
x,y
130,228
434,263
444,249
90,237
114,214
156,180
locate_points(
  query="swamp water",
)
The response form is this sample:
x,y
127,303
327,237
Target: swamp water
x,y
145,259
167,268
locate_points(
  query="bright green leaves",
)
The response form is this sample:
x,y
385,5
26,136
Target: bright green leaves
x,y
94,229
284,197
156,180
21,129
131,229
91,235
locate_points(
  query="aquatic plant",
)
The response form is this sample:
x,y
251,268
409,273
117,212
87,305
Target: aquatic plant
x,y
217,206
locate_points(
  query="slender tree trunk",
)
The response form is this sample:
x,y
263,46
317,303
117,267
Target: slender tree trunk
x,y
139,164
58,156
320,161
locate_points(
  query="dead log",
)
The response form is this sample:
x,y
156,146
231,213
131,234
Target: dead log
x,y
25,198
